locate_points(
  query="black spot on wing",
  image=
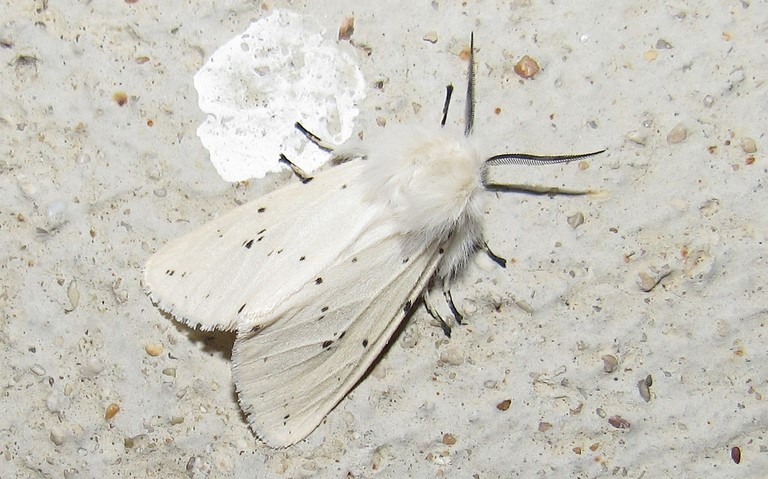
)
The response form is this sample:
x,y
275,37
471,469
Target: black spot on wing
x,y
248,244
261,210
365,343
324,309
241,308
319,281
170,272
327,344
302,258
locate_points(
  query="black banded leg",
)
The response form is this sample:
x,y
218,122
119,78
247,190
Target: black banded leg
x,y
303,175
322,144
496,258
433,312
449,299
448,94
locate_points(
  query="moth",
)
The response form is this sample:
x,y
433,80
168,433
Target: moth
x,y
315,278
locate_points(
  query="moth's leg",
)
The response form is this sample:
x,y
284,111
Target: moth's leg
x,y
448,94
449,299
341,153
433,312
469,105
322,144
496,258
458,317
303,175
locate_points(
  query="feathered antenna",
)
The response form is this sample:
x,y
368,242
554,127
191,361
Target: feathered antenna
x,y
528,159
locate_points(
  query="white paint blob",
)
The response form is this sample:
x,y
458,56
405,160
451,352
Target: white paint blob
x,y
281,70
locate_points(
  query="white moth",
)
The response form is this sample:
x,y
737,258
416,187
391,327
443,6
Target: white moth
x,y
315,278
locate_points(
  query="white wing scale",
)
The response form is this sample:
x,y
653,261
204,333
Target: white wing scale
x,y
239,267
292,373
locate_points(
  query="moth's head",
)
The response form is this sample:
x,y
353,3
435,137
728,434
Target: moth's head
x,y
426,160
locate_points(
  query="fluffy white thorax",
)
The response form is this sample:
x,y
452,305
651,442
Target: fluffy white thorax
x,y
428,180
